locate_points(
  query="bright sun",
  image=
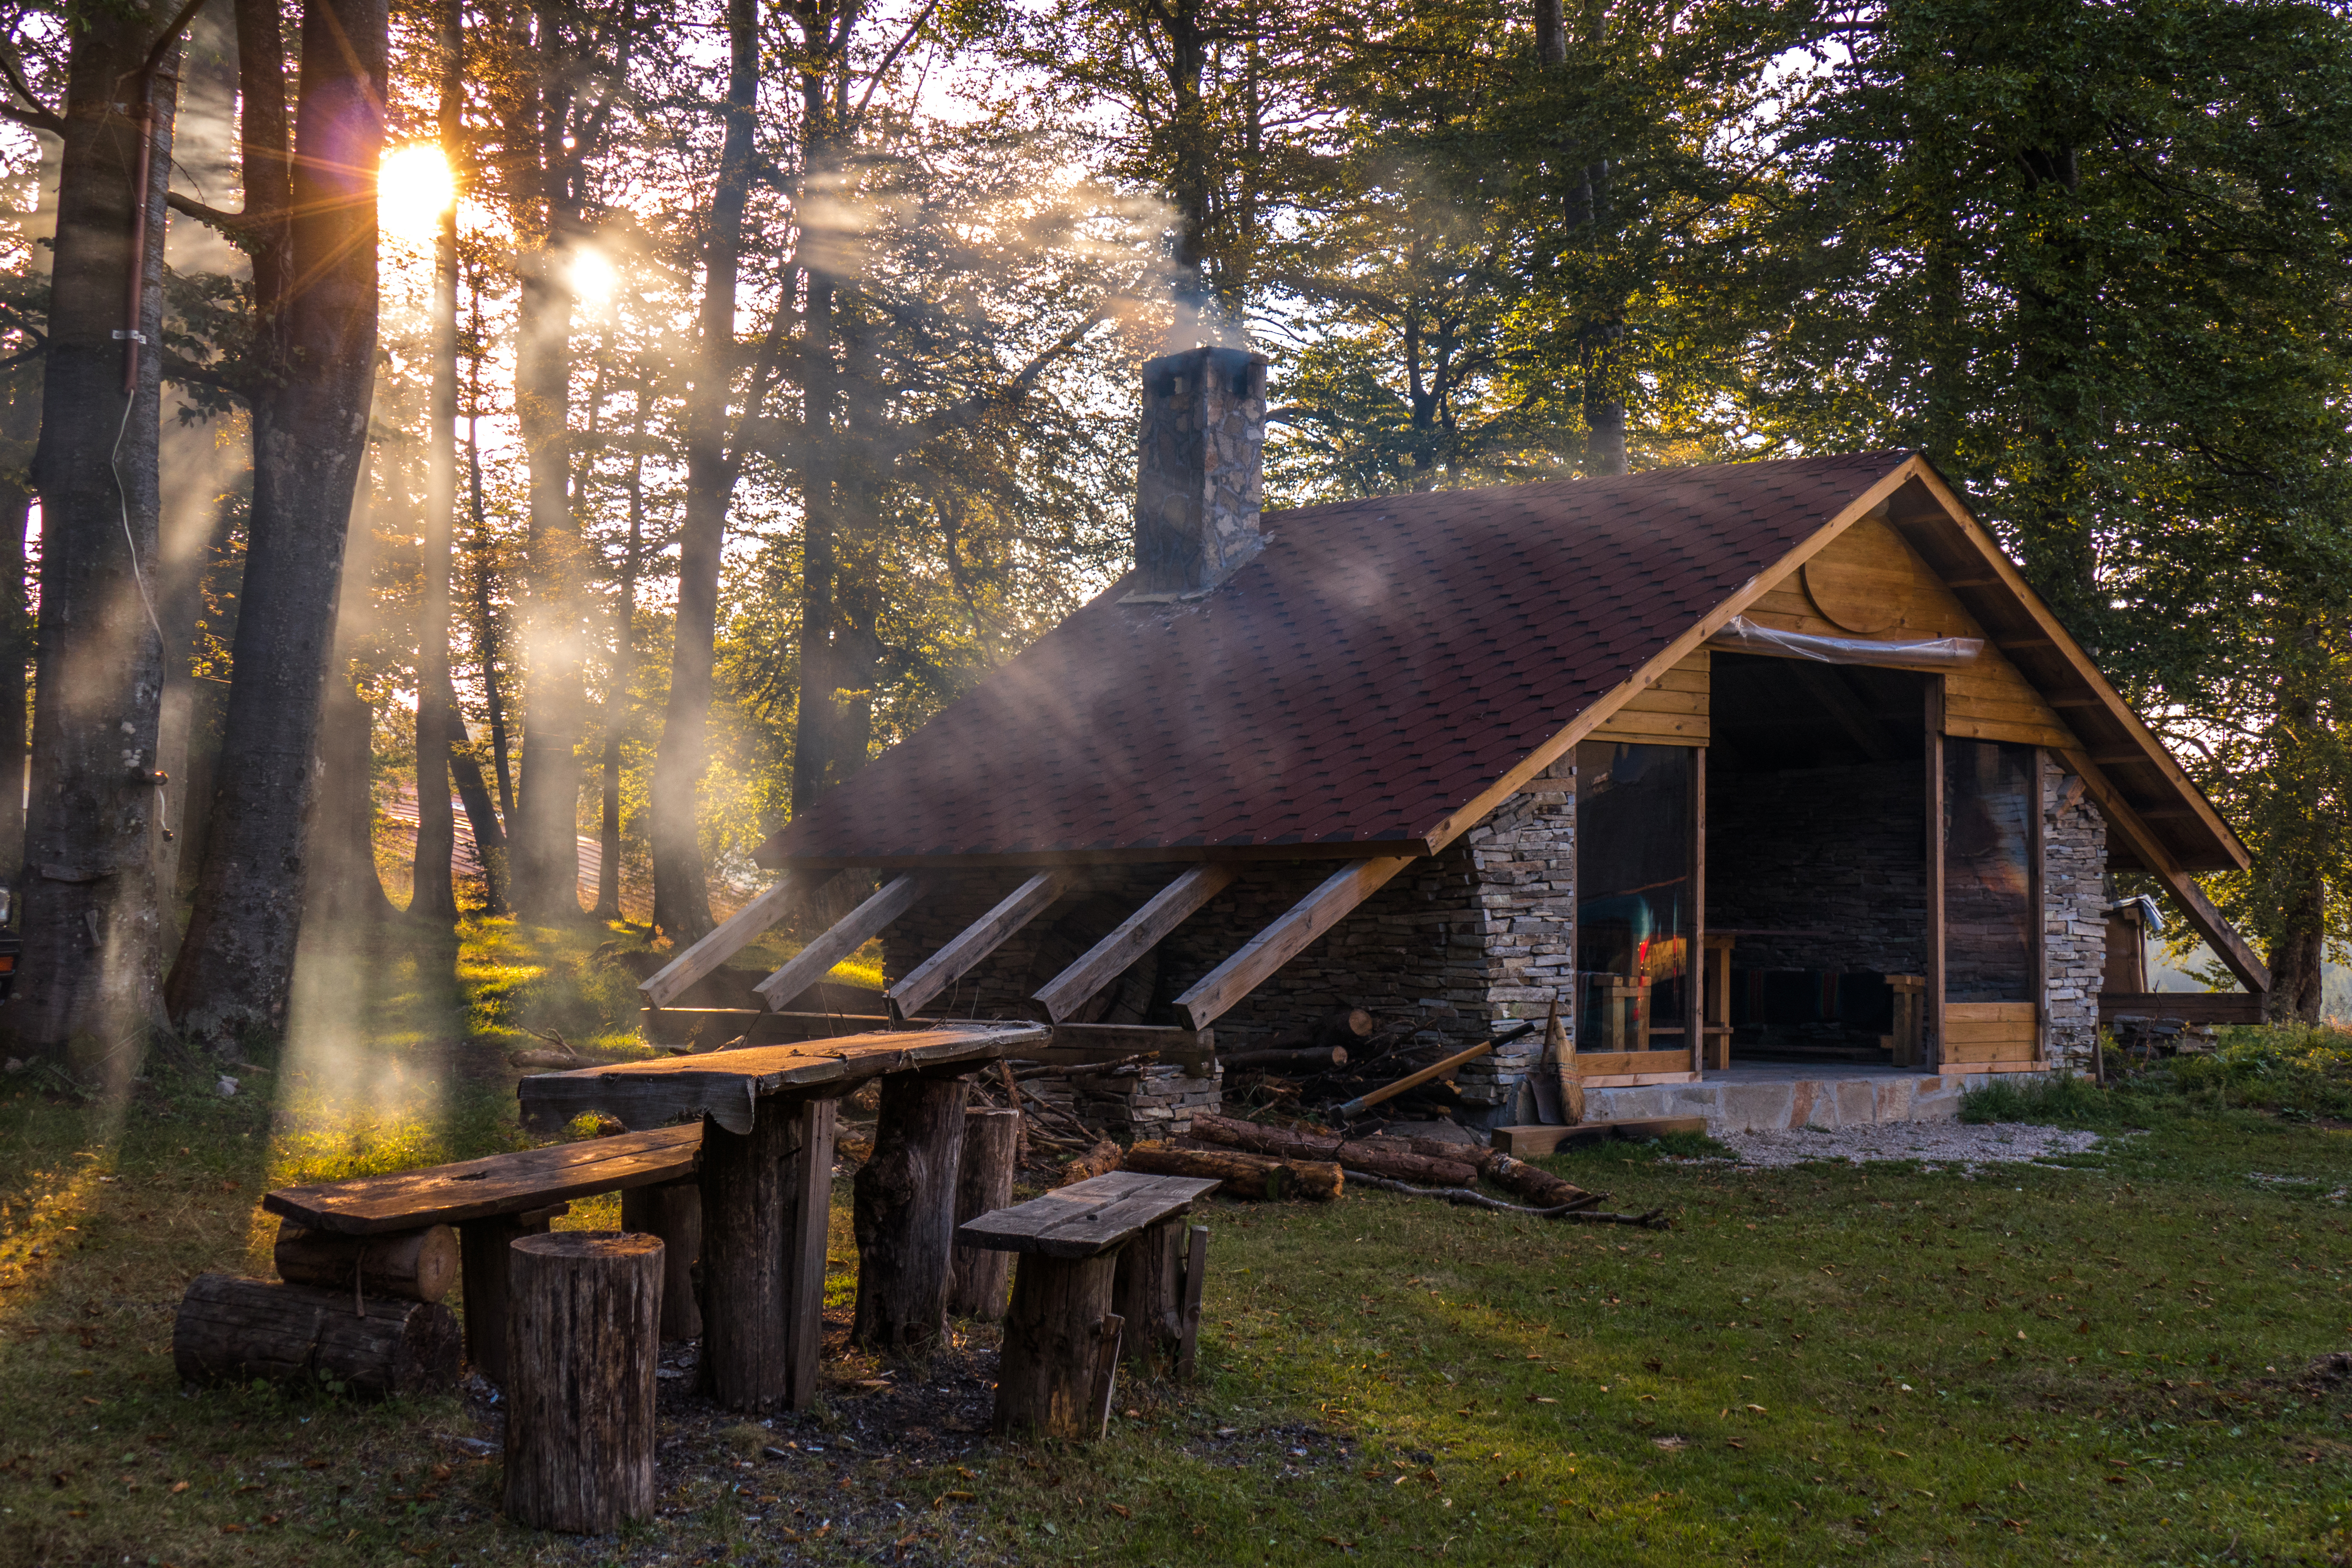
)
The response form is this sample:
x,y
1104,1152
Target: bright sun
x,y
413,188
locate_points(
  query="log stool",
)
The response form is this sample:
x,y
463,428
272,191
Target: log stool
x,y
583,1325
1062,1337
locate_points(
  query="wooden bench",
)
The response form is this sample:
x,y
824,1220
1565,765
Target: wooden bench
x,y
492,1202
1112,1242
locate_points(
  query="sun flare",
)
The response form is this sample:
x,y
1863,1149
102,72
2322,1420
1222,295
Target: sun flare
x,y
413,187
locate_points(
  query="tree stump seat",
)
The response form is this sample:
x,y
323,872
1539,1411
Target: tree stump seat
x,y
497,1200
1062,1338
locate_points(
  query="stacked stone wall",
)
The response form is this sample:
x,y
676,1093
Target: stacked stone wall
x,y
2074,912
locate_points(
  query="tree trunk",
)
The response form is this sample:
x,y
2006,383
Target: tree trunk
x,y
93,929
236,967
234,1331
481,812
906,1213
15,670
582,1347
681,891
978,1276
433,892
543,835
1054,1380
414,1265
618,706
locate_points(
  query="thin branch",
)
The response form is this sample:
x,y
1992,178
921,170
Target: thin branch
x,y
40,116
891,58
170,36
226,222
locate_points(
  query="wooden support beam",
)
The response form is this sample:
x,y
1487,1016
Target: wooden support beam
x,y
851,932
1137,935
975,942
2209,923
1283,941
731,936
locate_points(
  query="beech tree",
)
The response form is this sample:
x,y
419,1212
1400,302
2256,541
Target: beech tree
x,y
310,222
93,927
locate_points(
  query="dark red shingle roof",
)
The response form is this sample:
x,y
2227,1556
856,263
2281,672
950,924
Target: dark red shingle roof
x,y
1379,664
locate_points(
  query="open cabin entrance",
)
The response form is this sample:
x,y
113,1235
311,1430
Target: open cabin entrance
x,y
1819,941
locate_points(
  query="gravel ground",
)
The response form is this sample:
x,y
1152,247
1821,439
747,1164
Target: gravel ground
x,y
1937,1144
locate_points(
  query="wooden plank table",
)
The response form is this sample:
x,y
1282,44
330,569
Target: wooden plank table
x,y
767,1178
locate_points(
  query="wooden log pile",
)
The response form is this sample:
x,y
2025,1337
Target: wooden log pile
x,y
1417,1166
1347,1053
358,1313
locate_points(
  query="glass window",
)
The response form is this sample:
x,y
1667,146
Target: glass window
x,y
1634,914
1989,920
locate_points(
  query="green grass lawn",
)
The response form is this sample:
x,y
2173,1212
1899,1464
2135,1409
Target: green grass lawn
x,y
2104,1362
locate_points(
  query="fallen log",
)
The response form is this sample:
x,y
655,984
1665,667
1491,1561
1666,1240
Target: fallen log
x,y
1537,1185
1244,1175
231,1330
414,1265
1311,1058
1099,1161
1464,1197
1402,1162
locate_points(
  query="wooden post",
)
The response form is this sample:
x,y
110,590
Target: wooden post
x,y
765,1199
1147,1292
233,1331
583,1346
1047,1382
1694,951
1196,1279
482,1247
674,1213
906,1213
1931,1046
978,1277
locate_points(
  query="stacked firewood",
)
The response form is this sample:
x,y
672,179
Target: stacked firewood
x,y
1347,1053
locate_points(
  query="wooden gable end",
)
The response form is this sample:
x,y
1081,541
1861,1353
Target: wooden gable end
x,y
1869,583
1671,711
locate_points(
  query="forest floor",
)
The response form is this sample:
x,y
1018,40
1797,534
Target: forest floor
x,y
2118,1356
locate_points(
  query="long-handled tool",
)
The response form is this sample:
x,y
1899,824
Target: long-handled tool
x,y
1340,1115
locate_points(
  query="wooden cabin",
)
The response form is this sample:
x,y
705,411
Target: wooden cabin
x,y
1741,763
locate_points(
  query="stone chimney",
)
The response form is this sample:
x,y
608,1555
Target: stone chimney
x,y
1201,481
